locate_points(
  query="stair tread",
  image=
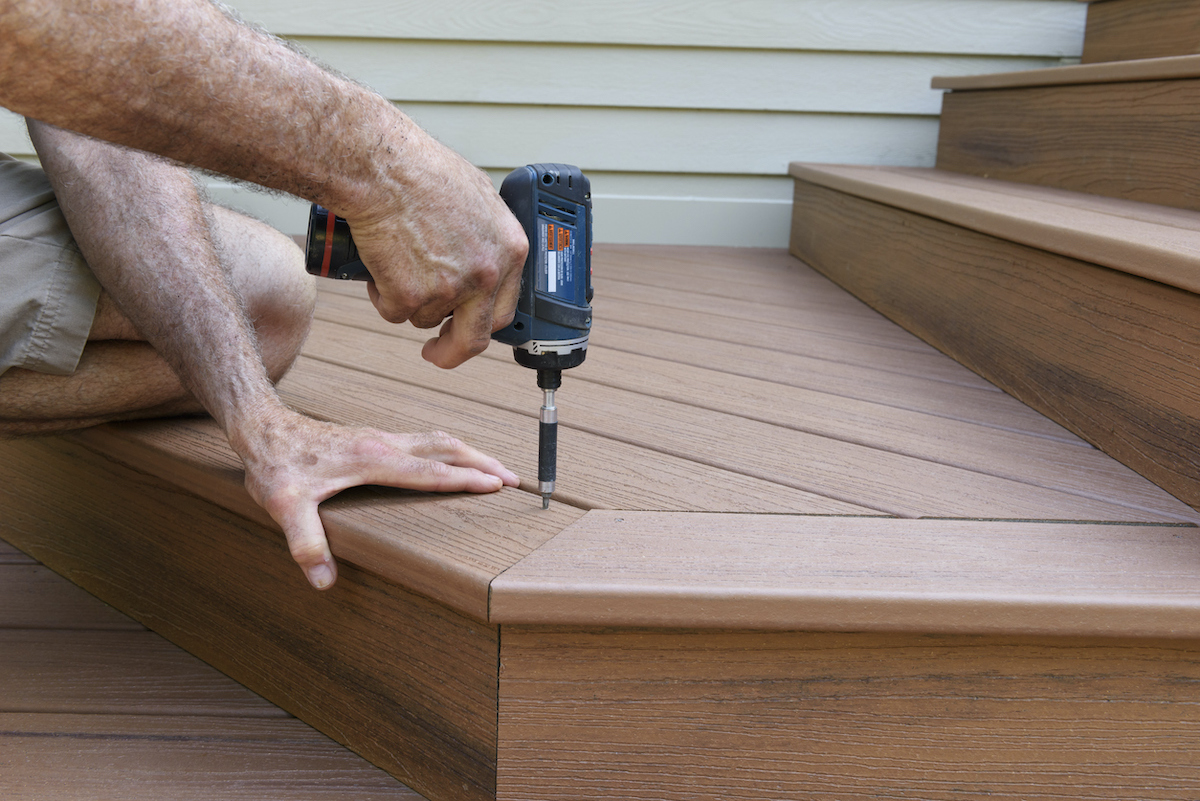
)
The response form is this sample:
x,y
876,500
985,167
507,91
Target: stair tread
x,y
694,440
854,573
1165,68
1155,242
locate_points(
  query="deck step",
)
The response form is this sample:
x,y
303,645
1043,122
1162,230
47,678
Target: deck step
x,y
708,509
1122,130
1050,295
1126,29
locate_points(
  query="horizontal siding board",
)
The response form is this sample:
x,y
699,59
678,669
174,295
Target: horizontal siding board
x,y
657,140
1014,27
642,77
673,108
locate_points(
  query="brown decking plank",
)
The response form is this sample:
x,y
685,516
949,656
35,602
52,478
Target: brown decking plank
x,y
857,474
1155,242
832,314
1170,68
1053,465
859,574
984,407
73,757
446,547
12,556
112,672
1137,29
840,343
593,715
1057,135
1110,355
32,597
402,680
594,470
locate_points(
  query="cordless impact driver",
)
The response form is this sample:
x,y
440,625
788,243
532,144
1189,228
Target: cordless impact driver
x,y
549,333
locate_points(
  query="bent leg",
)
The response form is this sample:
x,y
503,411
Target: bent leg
x,y
121,377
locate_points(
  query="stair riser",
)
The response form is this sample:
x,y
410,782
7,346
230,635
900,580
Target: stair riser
x,y
1113,357
1118,30
1136,141
752,716
403,681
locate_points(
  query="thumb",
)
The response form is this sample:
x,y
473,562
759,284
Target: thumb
x,y
308,545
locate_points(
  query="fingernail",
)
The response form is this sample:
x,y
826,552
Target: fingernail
x,y
512,480
320,576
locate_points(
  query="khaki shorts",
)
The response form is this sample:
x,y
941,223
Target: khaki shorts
x,y
47,293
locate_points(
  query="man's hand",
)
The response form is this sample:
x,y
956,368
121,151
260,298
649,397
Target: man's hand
x,y
444,244
295,462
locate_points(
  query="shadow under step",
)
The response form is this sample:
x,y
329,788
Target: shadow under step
x,y
1082,307
1123,130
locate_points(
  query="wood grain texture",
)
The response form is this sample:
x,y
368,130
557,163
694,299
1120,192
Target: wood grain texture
x,y
445,547
1130,141
32,597
1109,355
74,757
818,340
679,715
117,673
1130,29
864,475
1162,244
11,556
596,469
976,405
400,679
858,574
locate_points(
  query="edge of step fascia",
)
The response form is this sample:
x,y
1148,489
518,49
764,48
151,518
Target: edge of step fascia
x,y
1154,242
1166,68
814,573
193,455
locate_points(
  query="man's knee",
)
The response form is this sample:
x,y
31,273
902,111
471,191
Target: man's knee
x,y
267,268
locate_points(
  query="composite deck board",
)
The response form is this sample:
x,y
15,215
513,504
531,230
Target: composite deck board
x,y
404,661
816,335
864,475
406,682
839,314
448,548
116,673
975,405
1142,133
81,757
1108,354
1135,29
1155,242
101,708
781,572
594,470
11,556
1170,68
676,715
33,597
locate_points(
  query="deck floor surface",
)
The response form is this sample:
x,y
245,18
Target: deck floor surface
x,y
717,381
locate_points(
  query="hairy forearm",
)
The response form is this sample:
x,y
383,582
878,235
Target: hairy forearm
x,y
182,79
140,224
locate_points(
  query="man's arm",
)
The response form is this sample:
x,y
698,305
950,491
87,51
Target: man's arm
x,y
181,78
164,271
